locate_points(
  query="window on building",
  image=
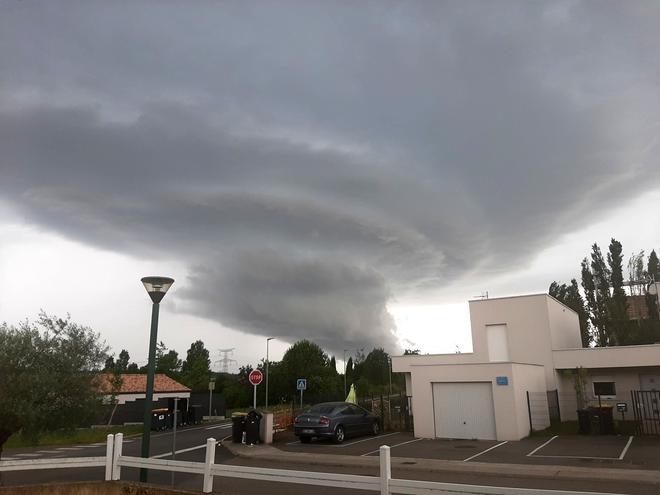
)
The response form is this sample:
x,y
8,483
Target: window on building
x,y
604,389
498,345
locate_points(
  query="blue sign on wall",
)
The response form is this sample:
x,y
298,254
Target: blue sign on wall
x,y
301,384
502,380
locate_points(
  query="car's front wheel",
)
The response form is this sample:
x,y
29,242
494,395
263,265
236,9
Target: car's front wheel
x,y
375,428
305,439
339,434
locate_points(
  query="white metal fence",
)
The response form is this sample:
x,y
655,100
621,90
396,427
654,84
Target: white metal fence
x,y
384,483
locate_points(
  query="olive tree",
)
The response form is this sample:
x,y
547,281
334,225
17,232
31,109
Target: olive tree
x,y
47,376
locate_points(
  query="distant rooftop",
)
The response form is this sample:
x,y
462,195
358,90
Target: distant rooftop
x,y
137,384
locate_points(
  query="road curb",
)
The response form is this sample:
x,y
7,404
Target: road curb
x,y
273,454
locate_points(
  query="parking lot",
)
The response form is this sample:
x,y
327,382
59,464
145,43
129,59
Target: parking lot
x,y
571,450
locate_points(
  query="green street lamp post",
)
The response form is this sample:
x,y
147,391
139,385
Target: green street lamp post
x,y
156,287
267,366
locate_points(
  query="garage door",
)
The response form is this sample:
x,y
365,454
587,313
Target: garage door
x,y
464,410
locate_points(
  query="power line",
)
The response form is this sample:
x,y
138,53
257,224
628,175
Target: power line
x,y
225,360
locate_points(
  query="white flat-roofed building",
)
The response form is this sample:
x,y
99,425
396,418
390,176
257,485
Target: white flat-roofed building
x,y
523,346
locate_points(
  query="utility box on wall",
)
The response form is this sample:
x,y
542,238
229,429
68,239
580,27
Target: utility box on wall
x,y
266,428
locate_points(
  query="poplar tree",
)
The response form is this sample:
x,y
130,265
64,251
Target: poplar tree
x,y
617,302
596,285
653,271
571,297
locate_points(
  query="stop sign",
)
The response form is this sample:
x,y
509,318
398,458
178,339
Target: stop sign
x,y
255,377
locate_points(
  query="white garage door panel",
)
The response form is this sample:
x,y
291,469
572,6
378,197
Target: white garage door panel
x,y
464,410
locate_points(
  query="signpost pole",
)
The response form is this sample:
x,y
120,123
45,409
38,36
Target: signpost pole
x,y
211,389
255,379
301,384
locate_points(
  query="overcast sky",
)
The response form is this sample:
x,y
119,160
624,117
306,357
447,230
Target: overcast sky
x,y
348,172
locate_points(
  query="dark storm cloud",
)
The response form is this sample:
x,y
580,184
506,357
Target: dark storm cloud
x,y
312,161
335,303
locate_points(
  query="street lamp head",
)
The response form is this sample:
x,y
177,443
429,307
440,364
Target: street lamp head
x,y
157,287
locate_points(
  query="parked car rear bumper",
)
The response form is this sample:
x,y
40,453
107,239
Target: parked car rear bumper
x,y
313,431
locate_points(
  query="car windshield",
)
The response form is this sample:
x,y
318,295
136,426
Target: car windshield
x,y
322,409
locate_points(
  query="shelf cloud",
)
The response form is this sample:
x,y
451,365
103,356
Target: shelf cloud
x,y
310,162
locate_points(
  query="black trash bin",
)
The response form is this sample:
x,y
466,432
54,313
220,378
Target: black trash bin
x,y
159,419
604,419
195,414
252,424
584,421
237,426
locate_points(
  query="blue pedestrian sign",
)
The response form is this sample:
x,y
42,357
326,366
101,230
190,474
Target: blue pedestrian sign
x,y
301,384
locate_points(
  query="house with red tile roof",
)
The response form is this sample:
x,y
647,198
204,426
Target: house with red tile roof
x,y
132,387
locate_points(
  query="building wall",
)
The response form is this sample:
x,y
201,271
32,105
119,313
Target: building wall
x,y
509,401
527,378
124,398
625,379
564,325
607,357
528,328
637,308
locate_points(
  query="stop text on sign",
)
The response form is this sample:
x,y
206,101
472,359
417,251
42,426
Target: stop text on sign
x,y
256,377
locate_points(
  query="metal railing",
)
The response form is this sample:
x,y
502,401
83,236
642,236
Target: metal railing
x,y
114,461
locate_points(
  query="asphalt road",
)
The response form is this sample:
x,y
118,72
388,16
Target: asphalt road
x,y
191,444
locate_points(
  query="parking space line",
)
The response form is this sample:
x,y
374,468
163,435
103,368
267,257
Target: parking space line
x,y
576,457
625,449
484,451
541,446
342,445
219,426
392,446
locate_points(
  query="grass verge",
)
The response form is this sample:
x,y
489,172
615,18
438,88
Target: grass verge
x,y
69,437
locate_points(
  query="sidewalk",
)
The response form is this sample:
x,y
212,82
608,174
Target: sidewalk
x,y
272,454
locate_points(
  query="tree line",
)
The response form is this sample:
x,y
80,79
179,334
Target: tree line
x,y
49,371
193,371
602,304
370,373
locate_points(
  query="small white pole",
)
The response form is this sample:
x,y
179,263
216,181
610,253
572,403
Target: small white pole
x,y
108,456
385,470
254,402
116,469
210,460
301,399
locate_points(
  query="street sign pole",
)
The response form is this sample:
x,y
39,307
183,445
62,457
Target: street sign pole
x,y
211,389
301,384
255,378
